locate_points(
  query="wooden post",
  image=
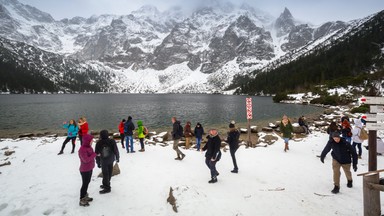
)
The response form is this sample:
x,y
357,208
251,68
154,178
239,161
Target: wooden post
x,y
372,146
371,196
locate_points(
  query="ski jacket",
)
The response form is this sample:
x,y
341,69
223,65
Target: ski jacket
x,y
199,131
129,127
83,129
87,157
342,152
140,129
71,130
233,139
356,131
121,127
105,141
213,148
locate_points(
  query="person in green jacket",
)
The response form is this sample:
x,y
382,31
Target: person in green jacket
x,y
141,133
286,130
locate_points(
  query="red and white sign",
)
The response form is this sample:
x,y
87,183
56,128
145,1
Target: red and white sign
x,y
372,100
249,107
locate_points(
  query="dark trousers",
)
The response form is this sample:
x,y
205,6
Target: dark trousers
x,y
81,139
212,167
66,141
358,146
233,151
86,177
142,143
122,137
106,169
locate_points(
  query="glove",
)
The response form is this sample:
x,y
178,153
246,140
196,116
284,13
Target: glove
x,y
322,160
355,168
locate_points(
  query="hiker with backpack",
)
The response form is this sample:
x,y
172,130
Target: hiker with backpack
x,y
141,133
87,163
233,141
357,138
177,133
107,152
213,154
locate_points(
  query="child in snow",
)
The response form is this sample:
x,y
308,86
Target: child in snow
x,y
83,124
72,130
87,163
286,130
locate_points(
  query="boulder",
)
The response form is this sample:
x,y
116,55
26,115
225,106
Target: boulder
x,y
320,123
243,130
270,139
267,129
253,129
26,135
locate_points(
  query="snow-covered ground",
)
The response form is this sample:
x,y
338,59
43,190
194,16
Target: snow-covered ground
x,y
269,182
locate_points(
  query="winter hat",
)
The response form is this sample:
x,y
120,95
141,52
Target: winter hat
x,y
336,134
231,125
87,138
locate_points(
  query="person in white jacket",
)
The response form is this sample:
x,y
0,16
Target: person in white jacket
x,y
356,141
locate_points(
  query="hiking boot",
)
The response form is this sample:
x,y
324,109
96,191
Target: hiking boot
x,y
336,189
123,146
83,202
102,186
60,153
234,171
87,198
132,151
72,151
142,150
182,156
349,184
178,158
359,156
104,191
213,180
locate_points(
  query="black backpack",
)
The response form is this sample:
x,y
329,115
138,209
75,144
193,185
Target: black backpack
x,y
106,151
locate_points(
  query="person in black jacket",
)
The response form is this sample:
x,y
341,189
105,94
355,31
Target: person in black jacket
x,y
342,152
213,154
233,141
177,133
129,127
107,152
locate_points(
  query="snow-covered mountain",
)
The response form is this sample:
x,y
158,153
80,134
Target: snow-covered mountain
x,y
153,51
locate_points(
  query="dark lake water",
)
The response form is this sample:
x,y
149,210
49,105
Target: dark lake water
x,y
46,113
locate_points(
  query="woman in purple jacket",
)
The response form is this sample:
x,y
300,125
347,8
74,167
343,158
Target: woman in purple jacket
x,y
87,163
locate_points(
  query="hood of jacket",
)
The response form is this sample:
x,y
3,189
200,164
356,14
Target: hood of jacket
x,y
104,134
139,123
358,123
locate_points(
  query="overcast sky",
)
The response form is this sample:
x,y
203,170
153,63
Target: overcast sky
x,y
314,11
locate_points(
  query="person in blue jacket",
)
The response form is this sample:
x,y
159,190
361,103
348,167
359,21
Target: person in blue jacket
x,y
343,155
72,130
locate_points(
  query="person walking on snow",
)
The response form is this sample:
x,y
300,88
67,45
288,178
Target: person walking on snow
x,y
129,127
141,133
233,141
72,130
121,131
213,154
356,141
87,163
177,133
107,152
199,131
286,130
342,152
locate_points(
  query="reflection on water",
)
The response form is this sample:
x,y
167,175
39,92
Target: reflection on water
x,y
32,113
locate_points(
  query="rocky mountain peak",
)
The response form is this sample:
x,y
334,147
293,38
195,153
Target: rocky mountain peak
x,y
284,23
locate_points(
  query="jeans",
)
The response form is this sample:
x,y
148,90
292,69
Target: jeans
x,y
198,142
86,178
129,139
233,151
358,146
212,167
106,169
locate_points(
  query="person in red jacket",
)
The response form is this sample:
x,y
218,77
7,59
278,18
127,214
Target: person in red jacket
x,y
87,163
83,124
121,131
